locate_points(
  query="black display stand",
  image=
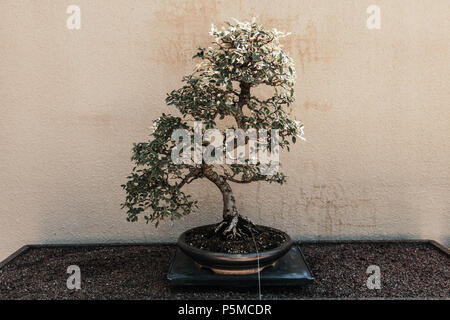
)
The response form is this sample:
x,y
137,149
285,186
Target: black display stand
x,y
290,270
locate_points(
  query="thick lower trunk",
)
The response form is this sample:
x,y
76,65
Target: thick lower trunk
x,y
233,225
229,202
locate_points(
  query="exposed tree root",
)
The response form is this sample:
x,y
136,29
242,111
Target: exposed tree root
x,y
236,227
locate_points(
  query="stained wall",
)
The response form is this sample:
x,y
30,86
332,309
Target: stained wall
x,y
375,104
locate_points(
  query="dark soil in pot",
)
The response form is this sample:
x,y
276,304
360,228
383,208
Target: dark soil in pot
x,y
206,238
246,249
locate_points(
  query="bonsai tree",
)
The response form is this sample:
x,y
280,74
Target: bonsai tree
x,y
220,91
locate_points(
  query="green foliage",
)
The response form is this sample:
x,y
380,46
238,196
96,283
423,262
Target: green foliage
x,y
243,56
155,181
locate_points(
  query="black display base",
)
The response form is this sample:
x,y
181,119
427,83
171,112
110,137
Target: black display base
x,y
290,270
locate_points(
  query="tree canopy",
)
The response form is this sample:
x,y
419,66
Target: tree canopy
x,y
243,56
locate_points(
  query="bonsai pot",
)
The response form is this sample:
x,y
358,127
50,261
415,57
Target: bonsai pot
x,y
226,263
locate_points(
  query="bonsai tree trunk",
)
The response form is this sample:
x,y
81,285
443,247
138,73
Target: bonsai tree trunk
x,y
229,203
233,225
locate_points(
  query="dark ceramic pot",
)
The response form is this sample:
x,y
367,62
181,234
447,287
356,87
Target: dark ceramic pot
x,y
225,263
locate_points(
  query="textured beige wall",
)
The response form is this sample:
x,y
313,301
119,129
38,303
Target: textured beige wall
x,y
375,104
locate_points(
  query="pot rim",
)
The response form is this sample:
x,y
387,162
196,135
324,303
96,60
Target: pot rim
x,y
260,254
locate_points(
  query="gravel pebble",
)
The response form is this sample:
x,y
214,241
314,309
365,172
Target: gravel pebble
x,y
408,270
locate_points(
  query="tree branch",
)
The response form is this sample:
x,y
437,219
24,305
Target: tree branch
x,y
193,174
244,181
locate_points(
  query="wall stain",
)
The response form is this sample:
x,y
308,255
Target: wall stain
x,y
308,47
332,209
98,120
317,105
186,28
